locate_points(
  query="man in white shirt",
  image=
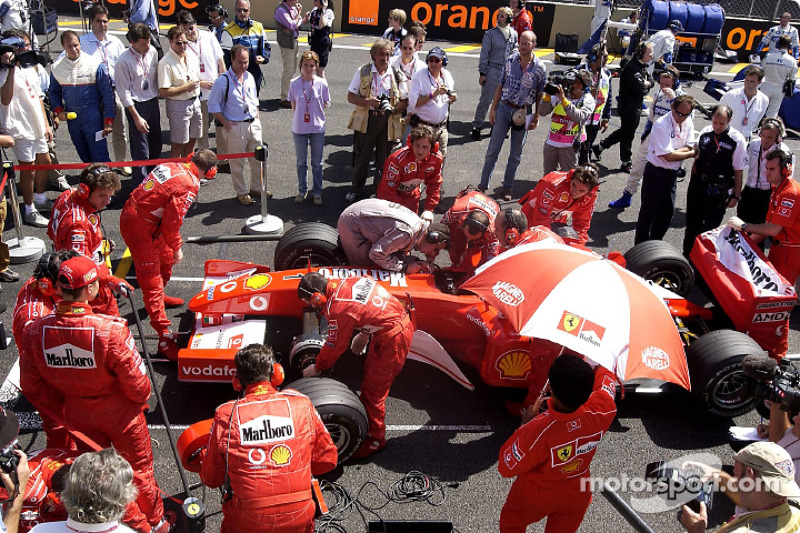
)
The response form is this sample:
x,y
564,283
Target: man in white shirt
x,y
107,48
771,37
757,189
137,90
203,48
748,103
664,45
24,118
779,67
179,83
431,95
671,141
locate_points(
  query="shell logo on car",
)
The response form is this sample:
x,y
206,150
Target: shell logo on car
x,y
280,455
258,282
655,358
514,365
508,293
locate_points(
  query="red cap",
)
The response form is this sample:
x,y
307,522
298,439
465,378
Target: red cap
x,y
77,272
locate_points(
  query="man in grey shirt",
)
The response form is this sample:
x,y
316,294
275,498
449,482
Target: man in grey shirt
x,y
498,43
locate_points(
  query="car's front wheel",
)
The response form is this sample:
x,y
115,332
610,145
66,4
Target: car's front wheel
x,y
307,243
661,263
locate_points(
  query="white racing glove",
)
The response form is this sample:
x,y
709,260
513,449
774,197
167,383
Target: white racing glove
x,y
359,343
735,223
427,215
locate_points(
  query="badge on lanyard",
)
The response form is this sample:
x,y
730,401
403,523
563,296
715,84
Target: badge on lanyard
x,y
202,67
744,121
307,117
145,85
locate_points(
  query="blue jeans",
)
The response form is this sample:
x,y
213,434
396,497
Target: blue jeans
x,y
502,124
301,142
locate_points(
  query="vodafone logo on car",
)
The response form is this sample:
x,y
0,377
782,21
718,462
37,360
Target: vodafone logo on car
x,y
508,293
655,358
208,372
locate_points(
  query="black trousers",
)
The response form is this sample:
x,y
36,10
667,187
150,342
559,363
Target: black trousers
x,y
704,212
658,203
144,145
754,205
629,116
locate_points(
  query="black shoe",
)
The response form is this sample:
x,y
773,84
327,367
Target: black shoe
x,y
626,167
476,134
597,150
9,276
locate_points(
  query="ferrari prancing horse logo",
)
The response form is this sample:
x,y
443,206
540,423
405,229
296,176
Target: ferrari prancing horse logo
x,y
570,322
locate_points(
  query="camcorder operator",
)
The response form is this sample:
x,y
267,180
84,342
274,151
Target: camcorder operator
x,y
10,54
14,470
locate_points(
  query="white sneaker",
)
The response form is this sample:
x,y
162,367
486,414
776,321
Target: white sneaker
x,y
36,219
61,183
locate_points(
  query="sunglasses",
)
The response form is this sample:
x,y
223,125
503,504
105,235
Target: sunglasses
x,y
682,114
434,60
240,10
181,43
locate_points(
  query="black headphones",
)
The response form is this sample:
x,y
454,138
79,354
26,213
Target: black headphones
x,y
521,4
444,55
474,226
676,81
436,237
778,123
512,229
45,277
640,48
219,9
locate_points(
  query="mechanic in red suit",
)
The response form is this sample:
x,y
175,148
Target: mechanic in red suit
x,y
362,304
511,227
282,433
408,169
472,230
550,453
87,366
150,224
522,20
36,299
75,225
783,217
560,196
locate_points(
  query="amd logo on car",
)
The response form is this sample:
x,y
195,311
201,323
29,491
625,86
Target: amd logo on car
x,y
266,429
69,357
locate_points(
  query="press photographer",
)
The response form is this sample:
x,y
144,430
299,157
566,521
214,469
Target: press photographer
x,y
14,470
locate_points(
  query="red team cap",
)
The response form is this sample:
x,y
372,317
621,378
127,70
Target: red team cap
x,y
77,272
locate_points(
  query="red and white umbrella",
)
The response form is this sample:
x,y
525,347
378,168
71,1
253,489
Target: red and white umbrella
x,y
587,304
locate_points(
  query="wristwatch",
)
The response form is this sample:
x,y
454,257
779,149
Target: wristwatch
x,y
744,226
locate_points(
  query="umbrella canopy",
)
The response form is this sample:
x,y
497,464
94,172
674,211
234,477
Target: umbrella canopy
x,y
590,305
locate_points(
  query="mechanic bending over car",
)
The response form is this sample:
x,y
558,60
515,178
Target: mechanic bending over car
x,y
383,322
380,233
542,455
275,496
783,218
473,235
564,198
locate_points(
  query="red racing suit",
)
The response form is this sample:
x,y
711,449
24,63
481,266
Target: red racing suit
x,y
268,444
784,210
363,304
87,366
75,225
150,224
403,176
550,455
550,201
466,256
32,305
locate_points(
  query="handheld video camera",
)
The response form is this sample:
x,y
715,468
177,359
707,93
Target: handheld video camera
x,y
768,380
564,79
9,461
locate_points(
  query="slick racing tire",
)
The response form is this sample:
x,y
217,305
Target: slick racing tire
x,y
341,412
715,367
661,263
306,241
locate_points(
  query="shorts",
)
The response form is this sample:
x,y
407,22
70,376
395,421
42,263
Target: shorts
x,y
185,120
323,49
26,149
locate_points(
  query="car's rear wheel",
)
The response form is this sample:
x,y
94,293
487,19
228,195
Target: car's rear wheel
x,y
715,367
312,242
341,412
661,263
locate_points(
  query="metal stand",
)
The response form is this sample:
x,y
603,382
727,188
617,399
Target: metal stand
x,y
22,249
263,224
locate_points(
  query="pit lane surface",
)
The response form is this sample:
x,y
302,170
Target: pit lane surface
x,y
435,426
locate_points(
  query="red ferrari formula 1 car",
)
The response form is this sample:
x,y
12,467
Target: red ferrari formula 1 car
x,y
237,298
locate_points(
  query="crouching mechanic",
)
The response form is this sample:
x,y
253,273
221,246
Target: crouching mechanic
x,y
380,233
150,224
75,225
551,452
362,304
408,169
564,197
37,299
87,366
276,495
472,230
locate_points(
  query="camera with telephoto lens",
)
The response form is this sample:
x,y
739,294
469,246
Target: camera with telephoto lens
x,y
9,461
564,79
385,106
768,380
680,486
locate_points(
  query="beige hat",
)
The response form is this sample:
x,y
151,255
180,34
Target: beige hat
x,y
774,464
